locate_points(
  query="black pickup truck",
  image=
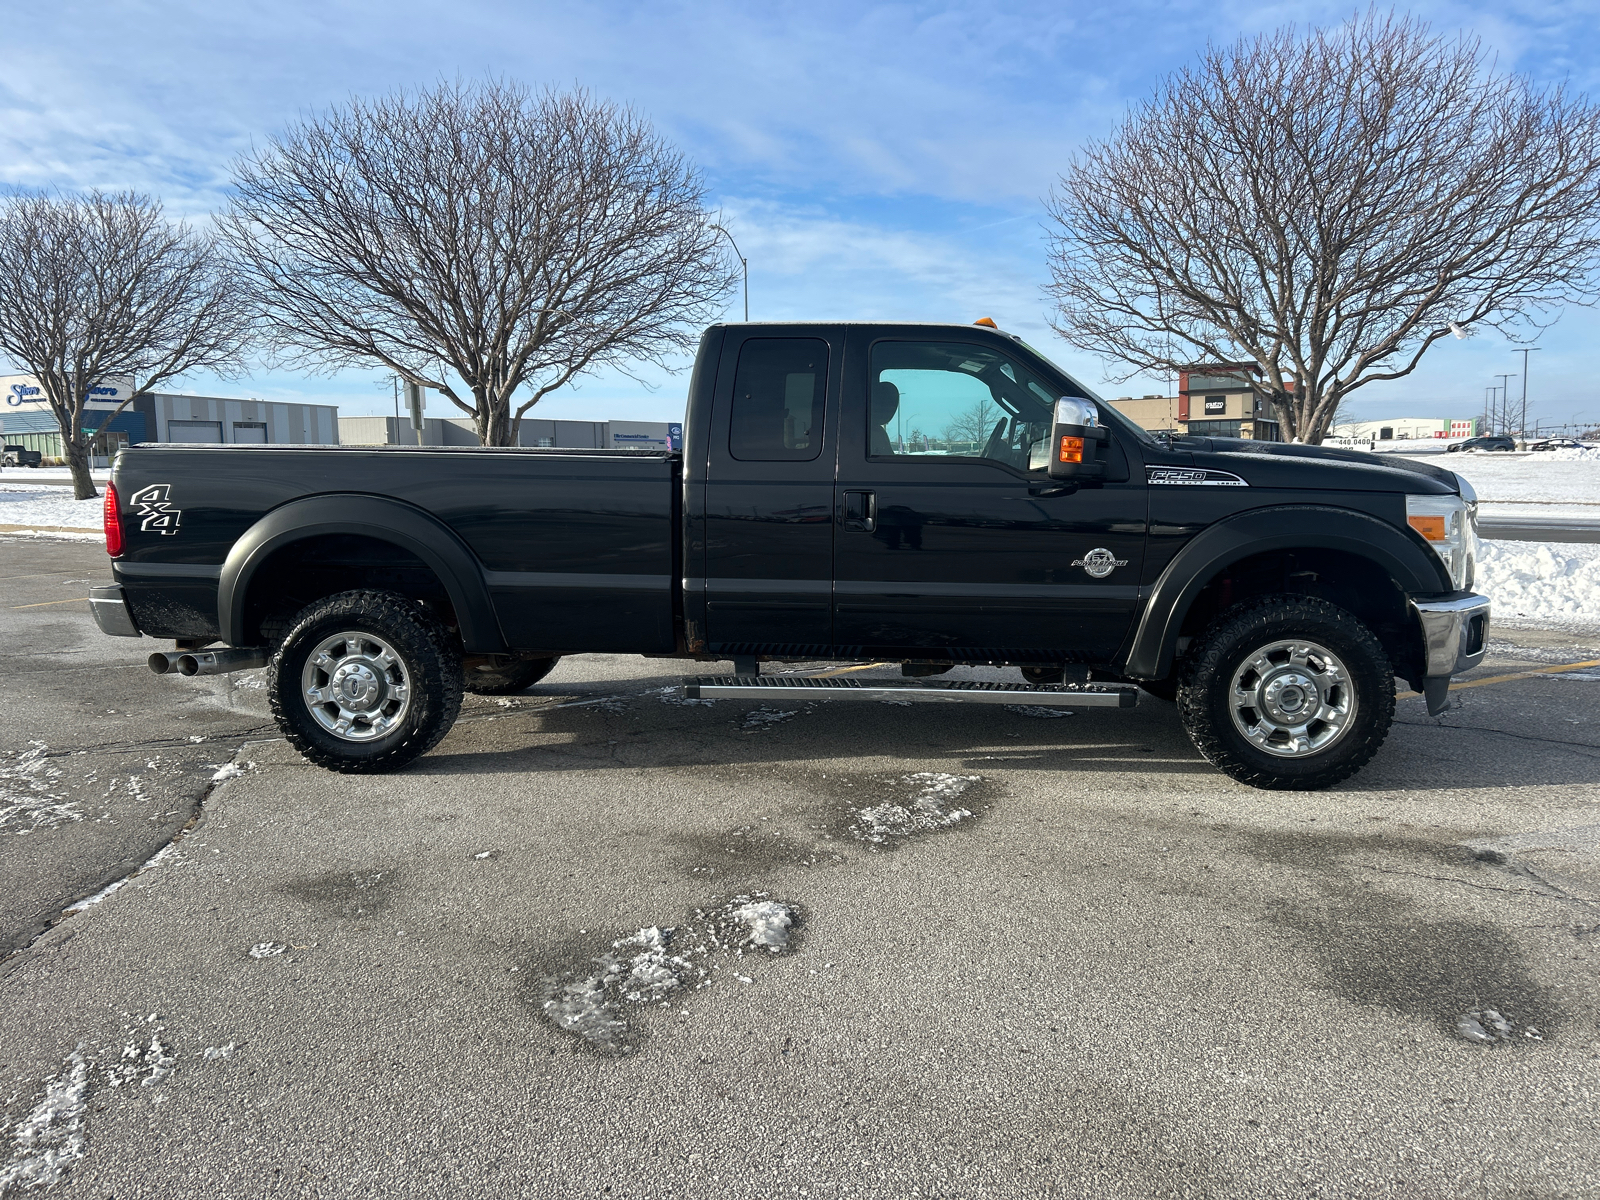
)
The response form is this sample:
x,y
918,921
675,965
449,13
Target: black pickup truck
x,y
932,495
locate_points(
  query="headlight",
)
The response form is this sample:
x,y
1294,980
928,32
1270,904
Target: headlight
x,y
1449,524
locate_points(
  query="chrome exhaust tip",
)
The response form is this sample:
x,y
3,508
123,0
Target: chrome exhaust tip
x,y
163,661
221,662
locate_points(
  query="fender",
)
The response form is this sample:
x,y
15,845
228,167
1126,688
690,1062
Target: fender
x,y
1400,553
412,530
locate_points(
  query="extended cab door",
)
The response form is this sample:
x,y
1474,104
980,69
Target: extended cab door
x,y
768,524
947,542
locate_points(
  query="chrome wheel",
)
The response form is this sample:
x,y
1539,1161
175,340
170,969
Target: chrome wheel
x,y
1292,698
356,686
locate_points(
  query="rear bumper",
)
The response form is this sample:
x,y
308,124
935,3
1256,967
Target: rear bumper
x,y
110,608
1455,631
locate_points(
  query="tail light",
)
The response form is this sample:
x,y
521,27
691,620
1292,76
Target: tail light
x,y
113,523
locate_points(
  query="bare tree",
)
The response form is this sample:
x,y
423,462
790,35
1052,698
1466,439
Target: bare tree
x,y
974,423
502,237
102,288
1326,207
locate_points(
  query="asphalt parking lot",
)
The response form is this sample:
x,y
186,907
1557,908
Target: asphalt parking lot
x,y
1027,956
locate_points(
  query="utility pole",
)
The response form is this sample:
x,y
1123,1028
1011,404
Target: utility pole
x,y
1522,422
1505,400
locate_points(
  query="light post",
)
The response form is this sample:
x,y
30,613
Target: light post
x,y
1505,400
744,264
1522,421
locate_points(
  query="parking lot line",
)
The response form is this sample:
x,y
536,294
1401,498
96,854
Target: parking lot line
x,y
1529,674
48,603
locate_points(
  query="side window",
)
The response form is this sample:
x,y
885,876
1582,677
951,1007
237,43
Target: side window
x,y
778,392
942,399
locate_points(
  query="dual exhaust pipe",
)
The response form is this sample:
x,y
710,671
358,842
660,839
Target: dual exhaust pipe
x,y
208,662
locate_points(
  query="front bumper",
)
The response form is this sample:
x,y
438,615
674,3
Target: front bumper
x,y
1455,631
110,608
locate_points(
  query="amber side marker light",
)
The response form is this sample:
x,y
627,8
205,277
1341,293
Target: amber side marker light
x,y
1429,527
113,523
1071,450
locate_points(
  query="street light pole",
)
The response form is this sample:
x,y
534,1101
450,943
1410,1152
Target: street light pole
x,y
744,264
1505,399
1522,422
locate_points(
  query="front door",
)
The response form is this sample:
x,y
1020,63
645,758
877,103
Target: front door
x,y
769,495
948,544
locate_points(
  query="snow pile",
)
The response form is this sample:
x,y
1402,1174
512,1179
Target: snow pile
x,y
930,807
31,504
651,965
25,791
1541,583
1574,454
50,1138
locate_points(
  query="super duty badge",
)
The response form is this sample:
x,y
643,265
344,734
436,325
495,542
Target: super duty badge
x,y
1192,477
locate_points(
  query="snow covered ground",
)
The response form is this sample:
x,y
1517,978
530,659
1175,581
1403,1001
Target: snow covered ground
x,y
36,503
1544,585
1562,483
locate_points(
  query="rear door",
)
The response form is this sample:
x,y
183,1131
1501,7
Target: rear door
x,y
769,492
947,544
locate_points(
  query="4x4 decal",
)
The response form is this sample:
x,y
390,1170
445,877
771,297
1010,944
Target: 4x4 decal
x,y
154,503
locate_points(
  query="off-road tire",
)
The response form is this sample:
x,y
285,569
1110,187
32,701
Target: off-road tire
x,y
1207,677
432,663
508,678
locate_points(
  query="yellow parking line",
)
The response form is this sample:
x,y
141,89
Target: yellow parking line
x,y
1472,683
48,603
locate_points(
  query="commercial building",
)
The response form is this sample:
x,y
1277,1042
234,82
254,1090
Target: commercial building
x,y
160,417
566,435
1403,429
1213,400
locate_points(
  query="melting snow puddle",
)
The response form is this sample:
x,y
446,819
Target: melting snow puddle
x,y
1038,710
648,967
1487,1026
765,718
931,806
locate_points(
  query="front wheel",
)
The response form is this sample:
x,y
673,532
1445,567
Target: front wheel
x,y
364,682
1287,692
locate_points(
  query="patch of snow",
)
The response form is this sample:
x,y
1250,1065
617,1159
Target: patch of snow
x,y
50,1138
24,505
1039,711
213,1053
765,718
674,695
266,949
232,770
170,850
486,854
648,967
769,922
26,794
931,806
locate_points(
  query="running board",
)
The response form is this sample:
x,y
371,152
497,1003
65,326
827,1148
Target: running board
x,y
795,687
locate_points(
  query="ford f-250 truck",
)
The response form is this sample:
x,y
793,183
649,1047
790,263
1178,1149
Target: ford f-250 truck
x,y
932,495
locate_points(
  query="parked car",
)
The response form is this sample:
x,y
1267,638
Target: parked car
x,y
1273,590
20,456
1557,444
1496,442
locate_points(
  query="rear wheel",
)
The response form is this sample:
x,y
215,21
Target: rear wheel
x,y
364,682
1287,692
507,678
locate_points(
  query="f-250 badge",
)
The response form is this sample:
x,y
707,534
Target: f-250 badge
x,y
156,509
1099,562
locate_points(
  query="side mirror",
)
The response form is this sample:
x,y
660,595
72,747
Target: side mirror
x,y
1078,442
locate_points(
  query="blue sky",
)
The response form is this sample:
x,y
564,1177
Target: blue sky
x,y
875,161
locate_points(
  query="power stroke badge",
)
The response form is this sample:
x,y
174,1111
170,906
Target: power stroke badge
x,y
1099,562
154,504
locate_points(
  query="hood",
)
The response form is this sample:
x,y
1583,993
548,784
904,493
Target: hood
x,y
1283,464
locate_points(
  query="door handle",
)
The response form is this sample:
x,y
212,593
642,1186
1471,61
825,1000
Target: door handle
x,y
860,511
